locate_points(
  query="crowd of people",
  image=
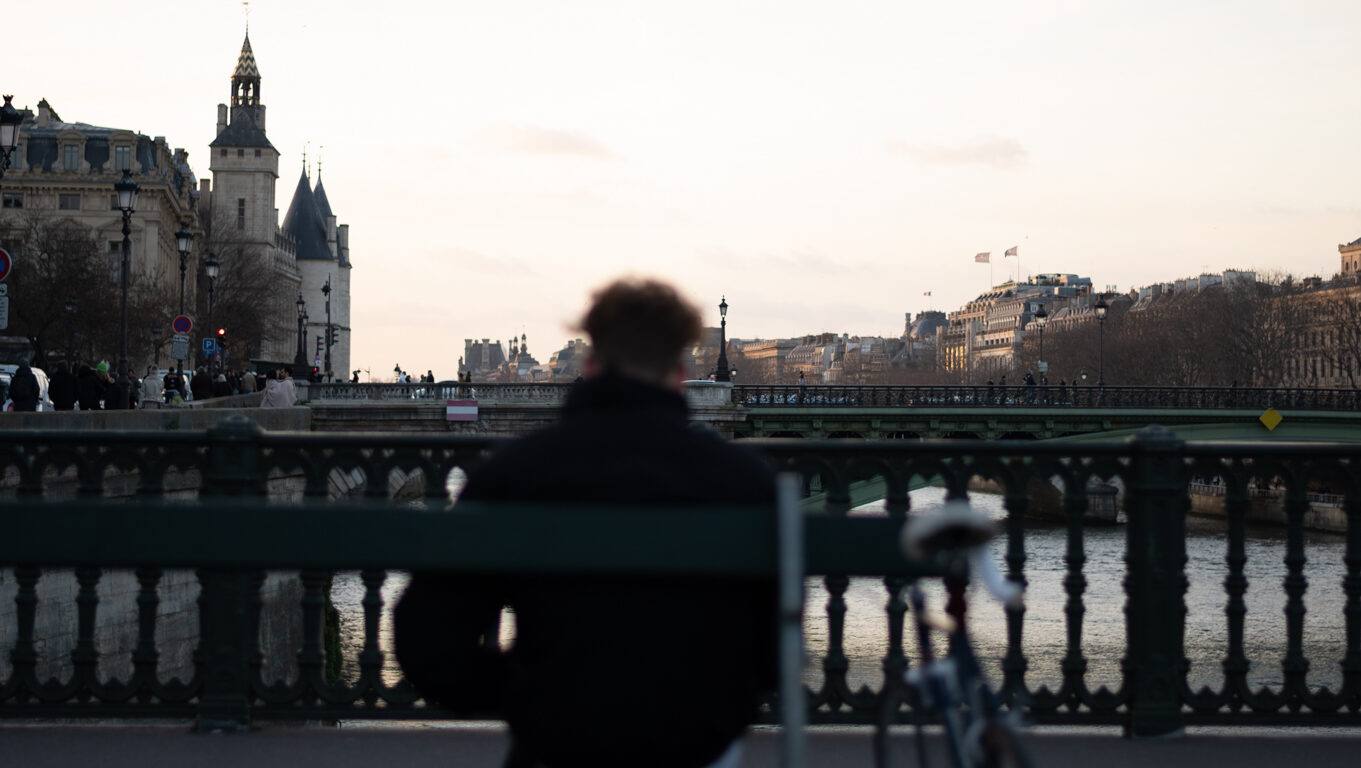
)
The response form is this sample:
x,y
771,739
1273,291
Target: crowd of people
x,y
94,387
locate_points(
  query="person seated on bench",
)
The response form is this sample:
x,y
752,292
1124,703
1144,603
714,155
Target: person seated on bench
x,y
621,671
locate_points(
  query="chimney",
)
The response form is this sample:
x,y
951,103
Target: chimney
x,y
260,116
221,118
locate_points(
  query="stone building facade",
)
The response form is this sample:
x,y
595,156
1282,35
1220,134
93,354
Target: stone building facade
x,y
66,170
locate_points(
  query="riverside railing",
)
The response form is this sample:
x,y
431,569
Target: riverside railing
x,y
884,396
234,529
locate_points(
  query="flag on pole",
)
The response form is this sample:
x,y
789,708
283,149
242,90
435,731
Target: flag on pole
x,y
1012,252
983,258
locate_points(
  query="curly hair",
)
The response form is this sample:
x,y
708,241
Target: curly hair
x,y
640,328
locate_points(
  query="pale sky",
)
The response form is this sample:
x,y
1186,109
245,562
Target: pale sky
x,y
822,164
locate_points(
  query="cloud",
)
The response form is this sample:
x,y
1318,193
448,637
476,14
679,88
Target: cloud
x,y
476,261
533,140
995,151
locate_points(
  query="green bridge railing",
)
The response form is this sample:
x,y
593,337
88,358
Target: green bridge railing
x,y
234,502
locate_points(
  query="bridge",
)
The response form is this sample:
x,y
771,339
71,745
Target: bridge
x,y
131,610
875,412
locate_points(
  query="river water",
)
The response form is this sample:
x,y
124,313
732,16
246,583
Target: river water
x,y
1045,634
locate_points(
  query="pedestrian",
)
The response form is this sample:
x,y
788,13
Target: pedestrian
x,y
221,387
23,388
279,390
247,382
62,388
104,385
706,649
201,384
134,389
89,389
1029,388
151,388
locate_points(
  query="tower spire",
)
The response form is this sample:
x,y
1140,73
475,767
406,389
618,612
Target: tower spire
x,y
246,77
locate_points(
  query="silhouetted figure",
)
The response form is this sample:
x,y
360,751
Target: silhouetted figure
x,y
705,650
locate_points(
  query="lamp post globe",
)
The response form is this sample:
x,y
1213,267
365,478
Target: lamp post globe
x,y
9,133
125,191
721,367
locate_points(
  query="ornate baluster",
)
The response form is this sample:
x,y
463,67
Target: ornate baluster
x,y
1351,587
24,657
145,656
371,658
84,657
895,661
310,657
1236,505
1295,665
1014,664
835,664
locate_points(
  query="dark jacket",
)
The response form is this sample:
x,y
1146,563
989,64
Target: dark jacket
x,y
62,389
89,389
654,672
23,389
201,385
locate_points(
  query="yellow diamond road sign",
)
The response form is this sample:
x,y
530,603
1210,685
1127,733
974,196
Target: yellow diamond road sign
x,y
1271,418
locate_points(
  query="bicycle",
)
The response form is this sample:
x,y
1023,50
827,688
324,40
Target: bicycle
x,y
979,733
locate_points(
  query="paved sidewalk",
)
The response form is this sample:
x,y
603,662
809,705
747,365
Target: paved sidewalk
x,y
117,746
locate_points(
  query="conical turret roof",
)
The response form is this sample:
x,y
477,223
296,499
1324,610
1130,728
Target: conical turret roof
x,y
305,224
323,204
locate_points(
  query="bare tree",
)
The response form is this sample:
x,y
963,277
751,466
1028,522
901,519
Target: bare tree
x,y
250,300
63,287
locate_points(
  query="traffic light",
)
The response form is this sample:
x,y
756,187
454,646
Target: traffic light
x,y
221,332
335,336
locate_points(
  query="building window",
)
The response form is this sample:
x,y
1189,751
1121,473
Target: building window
x,y
257,153
113,203
241,213
222,152
122,158
68,202
70,157
11,200
16,160
240,153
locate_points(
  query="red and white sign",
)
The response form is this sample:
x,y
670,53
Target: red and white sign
x,y
460,410
5,263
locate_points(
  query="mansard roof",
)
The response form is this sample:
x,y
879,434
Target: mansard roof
x,y
305,224
245,63
243,131
1357,241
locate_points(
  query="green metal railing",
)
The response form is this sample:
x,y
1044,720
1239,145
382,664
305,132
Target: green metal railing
x,y
54,513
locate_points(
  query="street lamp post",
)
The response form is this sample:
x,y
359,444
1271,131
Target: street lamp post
x,y
211,266
721,367
9,133
184,242
126,191
1101,309
326,291
71,339
300,359
156,344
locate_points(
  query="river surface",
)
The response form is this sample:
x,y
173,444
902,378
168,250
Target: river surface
x,y
1045,634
